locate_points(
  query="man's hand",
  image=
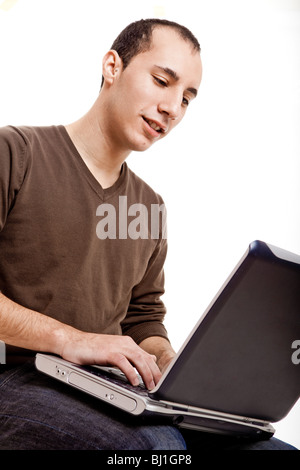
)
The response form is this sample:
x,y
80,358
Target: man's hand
x,y
113,350
161,348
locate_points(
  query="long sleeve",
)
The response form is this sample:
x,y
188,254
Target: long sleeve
x,y
12,167
146,310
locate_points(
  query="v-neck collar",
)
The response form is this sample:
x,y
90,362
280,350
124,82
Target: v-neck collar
x,y
104,194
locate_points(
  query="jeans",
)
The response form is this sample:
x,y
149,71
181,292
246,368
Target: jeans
x,y
40,413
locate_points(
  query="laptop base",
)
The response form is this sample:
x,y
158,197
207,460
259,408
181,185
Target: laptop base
x,y
94,381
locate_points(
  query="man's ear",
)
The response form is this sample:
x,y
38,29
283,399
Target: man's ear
x,y
111,66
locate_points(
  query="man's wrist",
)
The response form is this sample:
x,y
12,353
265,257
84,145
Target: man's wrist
x,y
165,358
161,348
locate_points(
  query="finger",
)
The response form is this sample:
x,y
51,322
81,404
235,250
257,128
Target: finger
x,y
128,356
148,370
127,368
143,363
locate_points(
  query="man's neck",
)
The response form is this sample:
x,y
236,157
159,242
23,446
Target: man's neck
x,y
103,161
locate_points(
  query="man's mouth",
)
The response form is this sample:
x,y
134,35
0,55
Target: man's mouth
x,y
154,125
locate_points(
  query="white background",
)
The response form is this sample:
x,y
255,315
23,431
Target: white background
x,y
230,172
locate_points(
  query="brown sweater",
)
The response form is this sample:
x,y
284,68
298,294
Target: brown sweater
x,y
64,248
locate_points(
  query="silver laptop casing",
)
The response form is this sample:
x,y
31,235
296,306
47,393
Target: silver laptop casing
x,y
140,403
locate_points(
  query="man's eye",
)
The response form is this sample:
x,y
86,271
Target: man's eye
x,y
185,101
160,81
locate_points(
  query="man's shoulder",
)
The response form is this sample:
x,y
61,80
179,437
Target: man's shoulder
x,y
26,134
12,140
10,133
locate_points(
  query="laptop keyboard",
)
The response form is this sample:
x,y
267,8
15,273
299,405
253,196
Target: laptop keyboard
x,y
117,377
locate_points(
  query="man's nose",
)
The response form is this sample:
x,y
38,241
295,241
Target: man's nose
x,y
171,106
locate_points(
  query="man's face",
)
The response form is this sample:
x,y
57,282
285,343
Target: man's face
x,y
152,94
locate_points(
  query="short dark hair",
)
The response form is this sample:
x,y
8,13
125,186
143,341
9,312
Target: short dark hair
x,y
137,38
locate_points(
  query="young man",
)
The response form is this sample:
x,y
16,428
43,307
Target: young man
x,y
74,281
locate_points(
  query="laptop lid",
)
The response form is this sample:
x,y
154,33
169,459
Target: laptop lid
x,y
238,358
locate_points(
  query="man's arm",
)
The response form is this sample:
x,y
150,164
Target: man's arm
x,y
32,330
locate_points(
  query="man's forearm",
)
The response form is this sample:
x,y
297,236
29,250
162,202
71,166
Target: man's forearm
x,y
28,329
32,330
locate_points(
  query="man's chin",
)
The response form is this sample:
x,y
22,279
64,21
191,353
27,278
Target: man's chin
x,y
145,144
141,147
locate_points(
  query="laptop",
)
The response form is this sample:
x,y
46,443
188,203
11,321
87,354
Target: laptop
x,y
235,373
